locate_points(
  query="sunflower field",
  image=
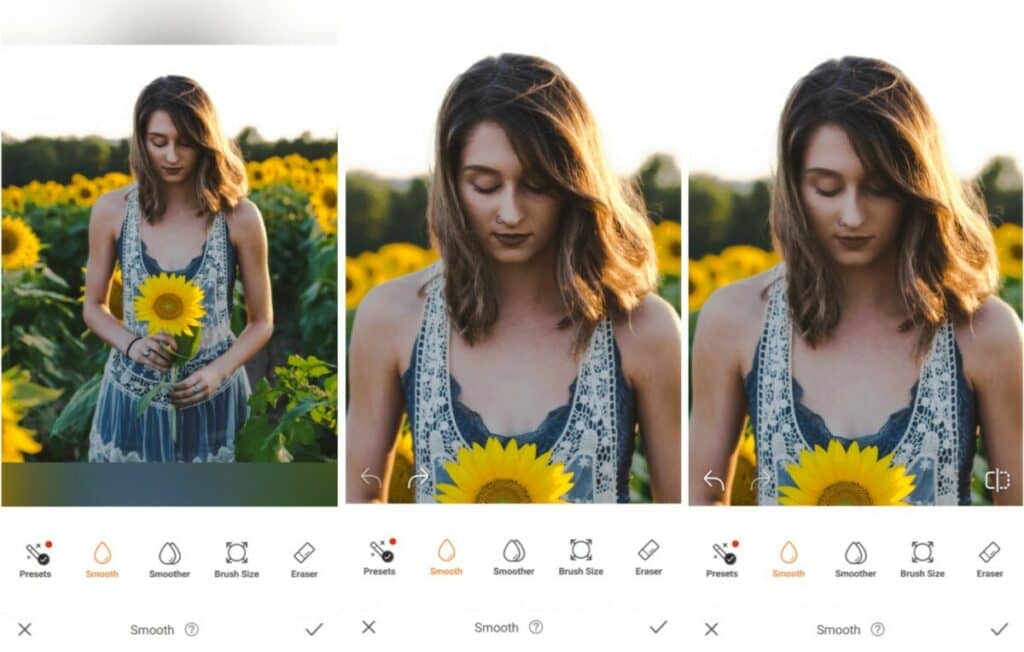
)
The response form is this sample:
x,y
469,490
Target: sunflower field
x,y
364,270
737,262
53,364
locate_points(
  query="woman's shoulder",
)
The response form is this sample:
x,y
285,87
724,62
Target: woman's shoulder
x,y
109,210
396,304
653,322
244,218
990,339
739,305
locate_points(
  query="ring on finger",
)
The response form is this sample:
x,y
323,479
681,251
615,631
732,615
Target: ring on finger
x,y
145,354
196,389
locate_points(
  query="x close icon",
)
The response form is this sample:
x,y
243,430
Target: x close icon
x,y
711,629
368,627
25,629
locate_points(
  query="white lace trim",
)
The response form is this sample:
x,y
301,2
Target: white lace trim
x,y
590,432
100,452
931,436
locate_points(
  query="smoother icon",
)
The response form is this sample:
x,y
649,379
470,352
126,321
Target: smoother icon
x,y
856,554
170,554
514,551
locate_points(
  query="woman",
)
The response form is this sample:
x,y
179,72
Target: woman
x,y
889,276
545,283
186,215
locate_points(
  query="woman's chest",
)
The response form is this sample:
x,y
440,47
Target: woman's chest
x,y
512,382
856,383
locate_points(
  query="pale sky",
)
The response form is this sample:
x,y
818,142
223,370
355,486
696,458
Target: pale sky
x,y
86,90
401,57
964,57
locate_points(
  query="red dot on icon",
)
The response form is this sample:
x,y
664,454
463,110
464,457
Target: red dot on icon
x,y
48,544
735,543
392,540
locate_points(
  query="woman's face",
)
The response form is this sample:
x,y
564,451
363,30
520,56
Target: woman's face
x,y
171,154
853,212
513,213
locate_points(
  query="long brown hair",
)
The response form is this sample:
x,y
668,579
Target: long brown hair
x,y
947,264
220,179
605,252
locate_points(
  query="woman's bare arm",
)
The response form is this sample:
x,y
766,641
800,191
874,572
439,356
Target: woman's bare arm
x,y
104,226
992,350
375,394
726,325
651,345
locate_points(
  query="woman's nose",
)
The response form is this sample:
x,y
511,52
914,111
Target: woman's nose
x,y
508,210
172,155
850,215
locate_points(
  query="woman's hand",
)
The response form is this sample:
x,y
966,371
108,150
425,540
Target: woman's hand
x,y
196,388
149,351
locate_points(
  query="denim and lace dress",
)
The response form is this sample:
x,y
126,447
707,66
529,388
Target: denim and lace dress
x,y
592,434
205,431
934,436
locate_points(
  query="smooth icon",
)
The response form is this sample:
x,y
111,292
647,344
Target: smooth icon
x,y
580,549
856,554
304,553
170,554
386,555
922,552
237,552
788,554
990,551
514,552
648,550
446,551
722,552
35,551
102,554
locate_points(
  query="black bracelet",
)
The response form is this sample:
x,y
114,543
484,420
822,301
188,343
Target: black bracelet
x,y
128,348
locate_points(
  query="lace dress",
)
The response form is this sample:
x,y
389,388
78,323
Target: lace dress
x,y
592,435
205,431
934,437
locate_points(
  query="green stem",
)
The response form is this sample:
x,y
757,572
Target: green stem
x,y
174,410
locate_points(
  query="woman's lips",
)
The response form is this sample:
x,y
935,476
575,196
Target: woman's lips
x,y
172,170
854,242
511,239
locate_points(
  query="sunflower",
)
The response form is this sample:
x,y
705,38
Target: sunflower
x,y
82,191
20,244
116,299
170,304
743,492
717,269
846,477
668,243
493,474
742,261
20,394
1008,246
257,177
357,283
399,490
400,258
701,285
14,199
325,203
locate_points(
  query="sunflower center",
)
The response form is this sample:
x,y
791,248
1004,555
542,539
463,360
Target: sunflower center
x,y
329,196
169,306
11,241
693,288
1016,251
676,248
845,493
503,490
348,282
